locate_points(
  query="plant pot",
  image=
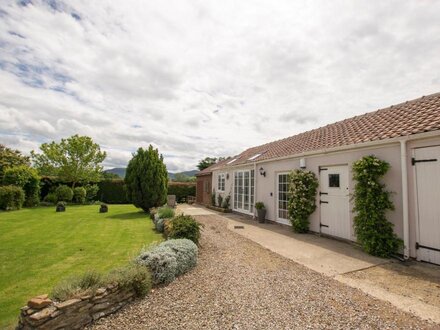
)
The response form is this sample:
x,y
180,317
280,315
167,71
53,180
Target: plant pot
x,y
261,215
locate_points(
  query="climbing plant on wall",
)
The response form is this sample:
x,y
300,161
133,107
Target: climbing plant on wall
x,y
302,199
371,202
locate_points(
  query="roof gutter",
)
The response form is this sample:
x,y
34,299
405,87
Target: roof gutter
x,y
363,145
369,144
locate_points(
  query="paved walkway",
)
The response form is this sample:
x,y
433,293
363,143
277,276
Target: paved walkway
x,y
413,287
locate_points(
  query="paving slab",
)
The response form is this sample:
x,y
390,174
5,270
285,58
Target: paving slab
x,y
326,256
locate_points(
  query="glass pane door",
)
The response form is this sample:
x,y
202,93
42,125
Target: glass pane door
x,y
283,196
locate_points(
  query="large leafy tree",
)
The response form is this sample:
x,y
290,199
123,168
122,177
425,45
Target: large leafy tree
x,y
11,158
147,179
76,159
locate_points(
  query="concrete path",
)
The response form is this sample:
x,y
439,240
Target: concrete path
x,y
326,256
412,287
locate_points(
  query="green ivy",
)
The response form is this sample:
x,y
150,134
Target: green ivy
x,y
302,199
371,202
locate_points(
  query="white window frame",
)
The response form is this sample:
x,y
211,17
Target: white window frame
x,y
280,220
221,182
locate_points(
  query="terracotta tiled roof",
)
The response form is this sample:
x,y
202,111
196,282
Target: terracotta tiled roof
x,y
408,118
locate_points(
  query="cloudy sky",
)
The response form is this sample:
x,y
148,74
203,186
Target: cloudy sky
x,y
205,78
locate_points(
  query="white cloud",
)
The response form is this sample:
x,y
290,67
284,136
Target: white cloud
x,y
205,78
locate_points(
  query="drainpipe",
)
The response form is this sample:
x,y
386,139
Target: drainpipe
x,y
404,168
255,185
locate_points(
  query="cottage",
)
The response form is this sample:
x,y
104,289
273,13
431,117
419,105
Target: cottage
x,y
406,135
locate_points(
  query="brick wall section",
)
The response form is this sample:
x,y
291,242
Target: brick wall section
x,y
75,313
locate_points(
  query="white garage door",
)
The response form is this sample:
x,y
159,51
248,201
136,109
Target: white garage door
x,y
334,201
427,163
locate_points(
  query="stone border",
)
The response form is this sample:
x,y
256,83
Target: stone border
x,y
219,209
43,313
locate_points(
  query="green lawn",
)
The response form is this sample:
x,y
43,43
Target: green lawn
x,y
38,247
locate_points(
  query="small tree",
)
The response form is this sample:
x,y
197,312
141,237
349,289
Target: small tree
x,y
147,179
302,199
371,202
27,178
208,161
75,159
11,158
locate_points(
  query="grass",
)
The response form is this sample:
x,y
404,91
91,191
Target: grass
x,y
39,247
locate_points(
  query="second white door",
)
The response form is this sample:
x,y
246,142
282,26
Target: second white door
x,y
334,201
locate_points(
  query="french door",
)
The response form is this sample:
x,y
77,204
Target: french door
x,y
244,191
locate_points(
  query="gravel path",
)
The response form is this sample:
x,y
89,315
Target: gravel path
x,y
240,285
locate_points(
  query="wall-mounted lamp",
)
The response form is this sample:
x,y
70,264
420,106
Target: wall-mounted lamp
x,y
262,172
302,163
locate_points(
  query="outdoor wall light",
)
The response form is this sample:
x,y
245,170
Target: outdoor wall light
x,y
262,172
302,163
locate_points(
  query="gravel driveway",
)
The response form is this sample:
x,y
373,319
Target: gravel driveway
x,y
240,285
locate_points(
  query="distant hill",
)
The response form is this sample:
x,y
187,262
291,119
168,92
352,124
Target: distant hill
x,y
187,173
121,172
117,170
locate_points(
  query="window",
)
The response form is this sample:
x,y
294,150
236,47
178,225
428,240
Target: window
x,y
221,182
333,181
207,189
283,191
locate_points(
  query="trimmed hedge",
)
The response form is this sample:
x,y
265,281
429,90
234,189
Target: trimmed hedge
x,y
182,190
11,198
64,193
26,178
79,195
113,192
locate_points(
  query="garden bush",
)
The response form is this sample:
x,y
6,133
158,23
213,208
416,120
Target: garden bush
x,y
51,198
213,198
185,226
160,225
371,202
131,277
219,200
302,199
26,178
162,262
91,192
226,202
64,193
79,195
165,212
186,252
77,285
181,190
11,198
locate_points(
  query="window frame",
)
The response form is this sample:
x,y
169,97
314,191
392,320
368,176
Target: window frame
x,y
221,182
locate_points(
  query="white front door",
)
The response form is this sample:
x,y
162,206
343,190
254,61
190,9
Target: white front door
x,y
244,191
334,201
427,168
